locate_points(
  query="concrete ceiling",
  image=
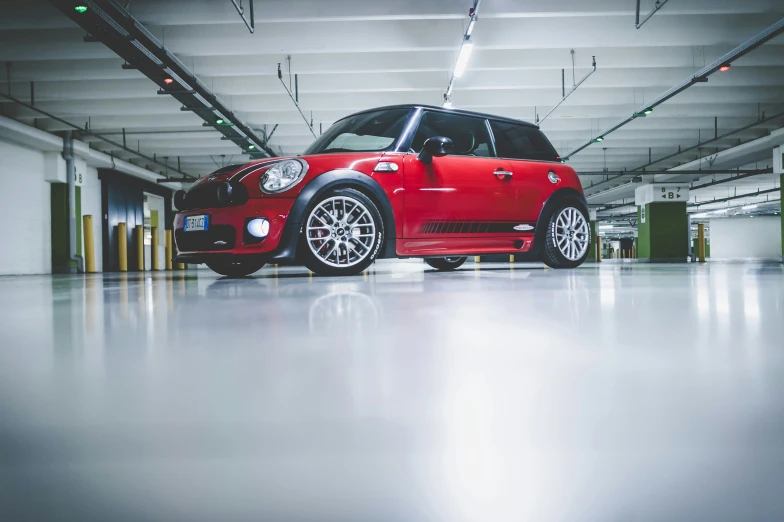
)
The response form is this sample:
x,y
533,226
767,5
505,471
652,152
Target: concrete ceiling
x,y
355,54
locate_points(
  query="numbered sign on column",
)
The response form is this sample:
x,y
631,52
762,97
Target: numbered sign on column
x,y
78,177
662,193
668,193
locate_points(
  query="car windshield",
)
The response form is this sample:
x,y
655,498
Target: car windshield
x,y
367,132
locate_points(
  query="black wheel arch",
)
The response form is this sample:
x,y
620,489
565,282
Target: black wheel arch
x,y
339,178
556,199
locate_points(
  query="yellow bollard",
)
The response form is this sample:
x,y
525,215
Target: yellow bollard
x,y
476,259
89,248
122,243
180,266
598,249
511,258
154,249
139,248
168,239
701,242
634,252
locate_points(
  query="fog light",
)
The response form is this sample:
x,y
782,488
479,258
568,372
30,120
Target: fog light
x,y
258,227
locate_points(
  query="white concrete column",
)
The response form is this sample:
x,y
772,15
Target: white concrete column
x,y
778,168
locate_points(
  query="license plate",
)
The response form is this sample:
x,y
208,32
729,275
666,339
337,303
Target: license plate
x,y
193,223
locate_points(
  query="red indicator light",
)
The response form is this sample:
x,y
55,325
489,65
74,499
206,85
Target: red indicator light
x,y
725,67
168,81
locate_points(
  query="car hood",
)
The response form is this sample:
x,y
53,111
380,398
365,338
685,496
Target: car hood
x,y
317,163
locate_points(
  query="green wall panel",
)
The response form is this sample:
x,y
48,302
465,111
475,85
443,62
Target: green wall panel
x,y
663,235
59,215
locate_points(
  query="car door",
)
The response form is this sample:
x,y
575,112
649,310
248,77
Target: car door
x,y
531,157
468,193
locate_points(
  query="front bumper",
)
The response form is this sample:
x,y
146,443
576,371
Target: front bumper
x,y
225,235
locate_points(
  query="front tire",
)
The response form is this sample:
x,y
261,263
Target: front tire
x,y
343,233
236,268
444,264
568,237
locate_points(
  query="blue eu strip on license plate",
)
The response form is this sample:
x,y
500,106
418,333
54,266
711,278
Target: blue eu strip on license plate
x,y
194,223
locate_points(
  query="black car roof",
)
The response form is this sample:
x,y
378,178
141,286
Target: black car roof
x,y
451,111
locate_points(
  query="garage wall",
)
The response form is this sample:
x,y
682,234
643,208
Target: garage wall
x,y
746,238
30,162
25,220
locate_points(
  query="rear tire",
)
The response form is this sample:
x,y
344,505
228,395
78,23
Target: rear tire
x,y
240,268
568,237
444,264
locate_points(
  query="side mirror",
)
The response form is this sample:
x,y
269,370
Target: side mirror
x,y
435,147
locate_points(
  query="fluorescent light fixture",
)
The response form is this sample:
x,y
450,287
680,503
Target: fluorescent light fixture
x,y
605,227
462,58
700,215
749,207
720,211
447,104
470,27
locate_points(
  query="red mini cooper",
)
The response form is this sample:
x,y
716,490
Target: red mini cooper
x,y
402,181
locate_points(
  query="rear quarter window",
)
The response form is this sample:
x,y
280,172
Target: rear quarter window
x,y
522,142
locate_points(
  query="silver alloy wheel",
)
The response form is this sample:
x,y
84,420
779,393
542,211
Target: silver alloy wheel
x,y
340,231
571,233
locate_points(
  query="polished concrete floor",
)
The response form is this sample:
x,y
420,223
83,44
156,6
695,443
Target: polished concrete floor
x,y
615,392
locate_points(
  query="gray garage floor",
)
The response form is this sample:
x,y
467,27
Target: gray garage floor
x,y
616,392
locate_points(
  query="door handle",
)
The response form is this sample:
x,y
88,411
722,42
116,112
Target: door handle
x,y
501,173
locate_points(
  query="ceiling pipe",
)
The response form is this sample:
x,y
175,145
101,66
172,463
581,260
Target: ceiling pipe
x,y
296,103
110,23
730,179
702,144
738,196
723,200
570,92
250,24
658,5
88,132
699,145
700,76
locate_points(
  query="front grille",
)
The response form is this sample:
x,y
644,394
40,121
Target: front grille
x,y
205,240
206,196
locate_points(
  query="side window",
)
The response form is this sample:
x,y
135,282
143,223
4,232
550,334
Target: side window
x,y
521,142
469,134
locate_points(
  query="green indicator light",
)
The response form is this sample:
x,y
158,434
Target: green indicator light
x,y
647,111
220,122
251,147
80,9
597,140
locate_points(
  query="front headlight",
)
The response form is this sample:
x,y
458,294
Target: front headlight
x,y
282,176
